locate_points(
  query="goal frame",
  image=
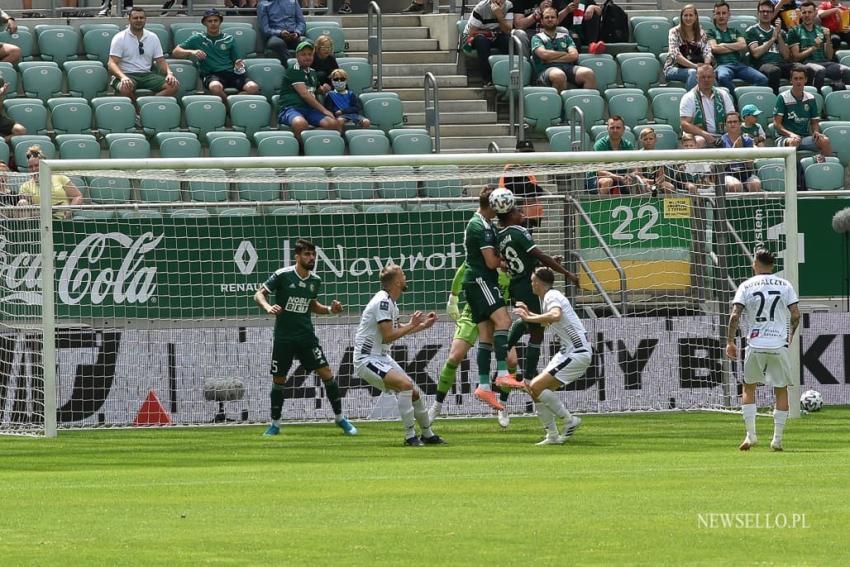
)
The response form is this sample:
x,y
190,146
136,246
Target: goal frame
x,y
49,167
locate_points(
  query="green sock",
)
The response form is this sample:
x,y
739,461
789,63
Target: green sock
x,y
504,393
532,357
518,329
448,375
277,400
482,357
332,391
500,343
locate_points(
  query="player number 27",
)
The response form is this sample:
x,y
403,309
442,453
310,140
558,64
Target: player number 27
x,y
622,231
762,301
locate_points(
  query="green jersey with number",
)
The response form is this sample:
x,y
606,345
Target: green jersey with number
x,y
515,245
294,294
479,236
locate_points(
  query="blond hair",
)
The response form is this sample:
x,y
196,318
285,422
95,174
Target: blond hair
x,y
389,273
35,149
323,41
646,132
338,74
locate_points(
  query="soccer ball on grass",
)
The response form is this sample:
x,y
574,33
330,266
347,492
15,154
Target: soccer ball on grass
x,y
502,200
811,400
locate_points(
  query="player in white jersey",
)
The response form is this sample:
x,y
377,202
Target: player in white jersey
x,y
378,328
765,301
568,365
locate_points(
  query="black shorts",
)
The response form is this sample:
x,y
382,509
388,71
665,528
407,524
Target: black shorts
x,y
228,79
306,349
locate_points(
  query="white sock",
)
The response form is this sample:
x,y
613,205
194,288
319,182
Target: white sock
x,y
485,387
420,413
276,422
405,408
547,418
438,408
779,419
749,413
554,404
338,417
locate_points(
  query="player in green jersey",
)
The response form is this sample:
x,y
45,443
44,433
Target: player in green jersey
x,y
295,290
522,256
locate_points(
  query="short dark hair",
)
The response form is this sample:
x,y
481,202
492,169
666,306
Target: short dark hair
x,y
808,3
765,257
135,9
303,245
504,216
767,3
799,68
733,113
484,196
545,275
720,4
617,117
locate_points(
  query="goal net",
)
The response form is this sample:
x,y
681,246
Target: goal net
x,y
136,308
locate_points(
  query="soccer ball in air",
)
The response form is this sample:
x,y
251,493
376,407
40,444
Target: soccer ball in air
x,y
811,400
502,200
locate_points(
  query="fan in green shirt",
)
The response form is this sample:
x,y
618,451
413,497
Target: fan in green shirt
x,y
811,44
728,46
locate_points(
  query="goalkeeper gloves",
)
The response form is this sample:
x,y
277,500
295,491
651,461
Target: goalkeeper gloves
x,y
452,308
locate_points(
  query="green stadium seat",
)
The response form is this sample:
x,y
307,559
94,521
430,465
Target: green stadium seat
x,y
839,138
87,27
665,110
238,212
278,143
268,74
338,210
159,188
29,112
114,114
642,72
359,73
837,105
441,181
589,101
70,117
353,189
246,40
381,208
187,74
635,20
651,36
632,107
87,79
249,115
190,214
110,190
20,144
396,188
4,152
322,143
58,44
411,142
128,146
561,140
160,115
335,32
501,68
290,211
666,137
307,183
604,67
184,30
180,147
140,214
385,113
22,38
257,190
608,93
655,91
772,177
96,44
741,22
204,116
41,79
81,148
10,75
163,34
207,191
229,144
542,109
367,143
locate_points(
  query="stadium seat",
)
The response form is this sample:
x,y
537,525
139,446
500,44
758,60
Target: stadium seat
x,y
268,74
163,34
411,142
338,210
180,147
441,181
608,93
110,190
367,143
764,101
182,31
307,183
353,189
207,191
41,79
187,74
114,114
5,152
839,138
58,44
359,73
160,115
335,32
194,213
632,107
7,71
291,209
322,143
397,188
635,20
542,109
561,140
81,148
501,68
140,214
22,38
246,40
279,143
96,44
87,79
604,67
665,135
204,116
651,36
641,72
385,113
257,190
228,144
772,177
19,145
741,22
238,212
70,116
159,188
589,101
665,109
29,112
128,146
87,27
381,208
249,115
652,92
837,105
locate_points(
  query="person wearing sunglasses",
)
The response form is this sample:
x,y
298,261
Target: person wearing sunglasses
x,y
63,191
131,57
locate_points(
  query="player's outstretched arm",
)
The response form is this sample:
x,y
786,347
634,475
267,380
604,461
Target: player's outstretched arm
x,y
452,307
335,307
521,310
731,329
554,264
261,299
418,322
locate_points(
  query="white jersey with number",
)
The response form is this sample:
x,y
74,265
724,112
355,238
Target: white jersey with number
x,y
368,340
765,321
569,327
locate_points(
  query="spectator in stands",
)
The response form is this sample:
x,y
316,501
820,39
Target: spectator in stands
x,y
489,27
728,46
788,13
687,48
299,107
811,45
702,109
613,182
218,58
345,104
693,177
283,25
63,190
8,127
835,17
9,52
751,127
769,52
652,177
555,56
131,56
324,61
796,117
574,17
738,175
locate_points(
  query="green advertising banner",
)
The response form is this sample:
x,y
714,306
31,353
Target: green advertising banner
x,y
757,222
638,222
823,259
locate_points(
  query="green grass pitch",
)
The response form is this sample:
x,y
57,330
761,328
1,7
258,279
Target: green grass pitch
x,y
636,489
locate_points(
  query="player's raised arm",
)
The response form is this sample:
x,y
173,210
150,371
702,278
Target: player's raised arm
x,y
452,308
553,264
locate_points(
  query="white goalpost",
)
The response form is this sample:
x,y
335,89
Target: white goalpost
x,y
136,307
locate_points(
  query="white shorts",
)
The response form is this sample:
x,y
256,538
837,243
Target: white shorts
x,y
568,368
768,366
373,369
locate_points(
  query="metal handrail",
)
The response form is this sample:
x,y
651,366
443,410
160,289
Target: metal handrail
x,y
577,144
375,43
596,283
493,148
516,61
605,248
432,108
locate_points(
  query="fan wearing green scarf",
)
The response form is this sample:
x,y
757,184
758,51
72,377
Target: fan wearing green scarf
x,y
703,108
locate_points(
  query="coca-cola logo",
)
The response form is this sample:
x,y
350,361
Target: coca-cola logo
x,y
88,274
